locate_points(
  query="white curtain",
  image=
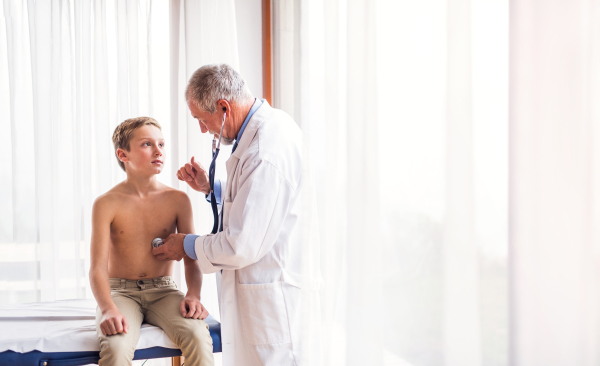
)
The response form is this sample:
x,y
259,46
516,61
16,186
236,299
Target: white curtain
x,y
555,182
405,109
70,71
202,32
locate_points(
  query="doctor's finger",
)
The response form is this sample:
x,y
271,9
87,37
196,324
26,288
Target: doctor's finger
x,y
197,165
160,255
190,170
185,175
179,176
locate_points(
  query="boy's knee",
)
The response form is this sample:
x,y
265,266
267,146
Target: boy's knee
x,y
117,347
195,331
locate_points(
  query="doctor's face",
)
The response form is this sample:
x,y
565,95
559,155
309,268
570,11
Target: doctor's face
x,y
210,123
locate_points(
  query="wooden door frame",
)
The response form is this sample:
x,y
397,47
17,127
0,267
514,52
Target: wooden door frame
x,y
267,55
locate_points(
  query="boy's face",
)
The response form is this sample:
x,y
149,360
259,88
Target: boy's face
x,y
146,151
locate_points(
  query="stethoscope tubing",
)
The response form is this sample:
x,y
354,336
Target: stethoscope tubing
x,y
211,179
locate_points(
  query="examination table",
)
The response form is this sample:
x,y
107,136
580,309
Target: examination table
x,y
63,333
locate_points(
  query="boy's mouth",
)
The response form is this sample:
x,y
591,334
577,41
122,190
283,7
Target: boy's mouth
x,y
159,162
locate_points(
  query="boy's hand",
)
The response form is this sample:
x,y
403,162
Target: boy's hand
x,y
192,308
172,248
194,174
113,322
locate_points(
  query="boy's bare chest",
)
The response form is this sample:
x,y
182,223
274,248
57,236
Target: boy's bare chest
x,y
137,222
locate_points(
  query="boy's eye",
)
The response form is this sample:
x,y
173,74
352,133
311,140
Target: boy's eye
x,y
146,144
162,145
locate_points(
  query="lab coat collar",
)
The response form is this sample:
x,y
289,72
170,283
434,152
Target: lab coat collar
x,y
254,124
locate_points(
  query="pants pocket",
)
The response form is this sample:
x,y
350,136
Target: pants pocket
x,y
264,314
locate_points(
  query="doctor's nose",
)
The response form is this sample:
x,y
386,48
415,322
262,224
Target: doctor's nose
x,y
203,128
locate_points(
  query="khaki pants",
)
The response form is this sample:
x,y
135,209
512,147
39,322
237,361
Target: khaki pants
x,y
155,301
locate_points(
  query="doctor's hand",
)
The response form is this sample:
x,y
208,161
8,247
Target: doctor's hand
x,y
172,248
192,308
194,174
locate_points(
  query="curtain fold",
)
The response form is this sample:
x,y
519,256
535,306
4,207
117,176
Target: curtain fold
x,y
201,32
70,71
403,111
422,175
460,262
364,342
554,169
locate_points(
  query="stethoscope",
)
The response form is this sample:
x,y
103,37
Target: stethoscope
x,y
216,147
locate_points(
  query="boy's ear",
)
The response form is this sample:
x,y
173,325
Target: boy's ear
x,y
122,155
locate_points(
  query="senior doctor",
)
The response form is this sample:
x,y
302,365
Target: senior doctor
x,y
265,252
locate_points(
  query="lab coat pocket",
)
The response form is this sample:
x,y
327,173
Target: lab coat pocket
x,y
263,312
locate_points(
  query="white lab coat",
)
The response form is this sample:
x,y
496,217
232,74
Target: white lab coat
x,y
268,249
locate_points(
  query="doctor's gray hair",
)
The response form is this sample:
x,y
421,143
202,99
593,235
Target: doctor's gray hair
x,y
210,83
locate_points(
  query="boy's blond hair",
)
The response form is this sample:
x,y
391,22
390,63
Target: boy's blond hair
x,y
124,132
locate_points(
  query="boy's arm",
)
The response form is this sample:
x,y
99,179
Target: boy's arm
x,y
113,321
190,306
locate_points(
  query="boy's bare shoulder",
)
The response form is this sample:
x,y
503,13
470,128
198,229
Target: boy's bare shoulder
x,y
174,195
111,198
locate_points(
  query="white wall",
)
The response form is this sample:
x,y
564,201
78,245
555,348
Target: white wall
x,y
249,30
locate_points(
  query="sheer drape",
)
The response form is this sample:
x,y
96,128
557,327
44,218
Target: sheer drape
x,y
202,32
555,180
405,111
70,71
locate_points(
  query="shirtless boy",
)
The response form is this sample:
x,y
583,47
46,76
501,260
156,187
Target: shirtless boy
x,y
128,282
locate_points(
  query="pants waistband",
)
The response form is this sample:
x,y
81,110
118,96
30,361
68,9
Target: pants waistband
x,y
122,283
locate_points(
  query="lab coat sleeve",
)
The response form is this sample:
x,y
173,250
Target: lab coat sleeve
x,y
253,220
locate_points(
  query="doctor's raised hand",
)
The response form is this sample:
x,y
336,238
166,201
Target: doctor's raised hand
x,y
194,174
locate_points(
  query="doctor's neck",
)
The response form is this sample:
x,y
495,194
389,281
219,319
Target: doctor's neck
x,y
239,112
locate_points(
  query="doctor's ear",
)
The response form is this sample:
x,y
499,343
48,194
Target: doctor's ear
x,y
224,105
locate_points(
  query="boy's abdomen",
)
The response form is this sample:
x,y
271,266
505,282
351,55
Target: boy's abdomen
x,y
133,228
131,251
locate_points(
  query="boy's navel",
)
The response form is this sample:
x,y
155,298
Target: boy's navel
x,y
143,275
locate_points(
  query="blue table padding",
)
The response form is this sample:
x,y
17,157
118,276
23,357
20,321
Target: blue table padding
x,y
37,358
